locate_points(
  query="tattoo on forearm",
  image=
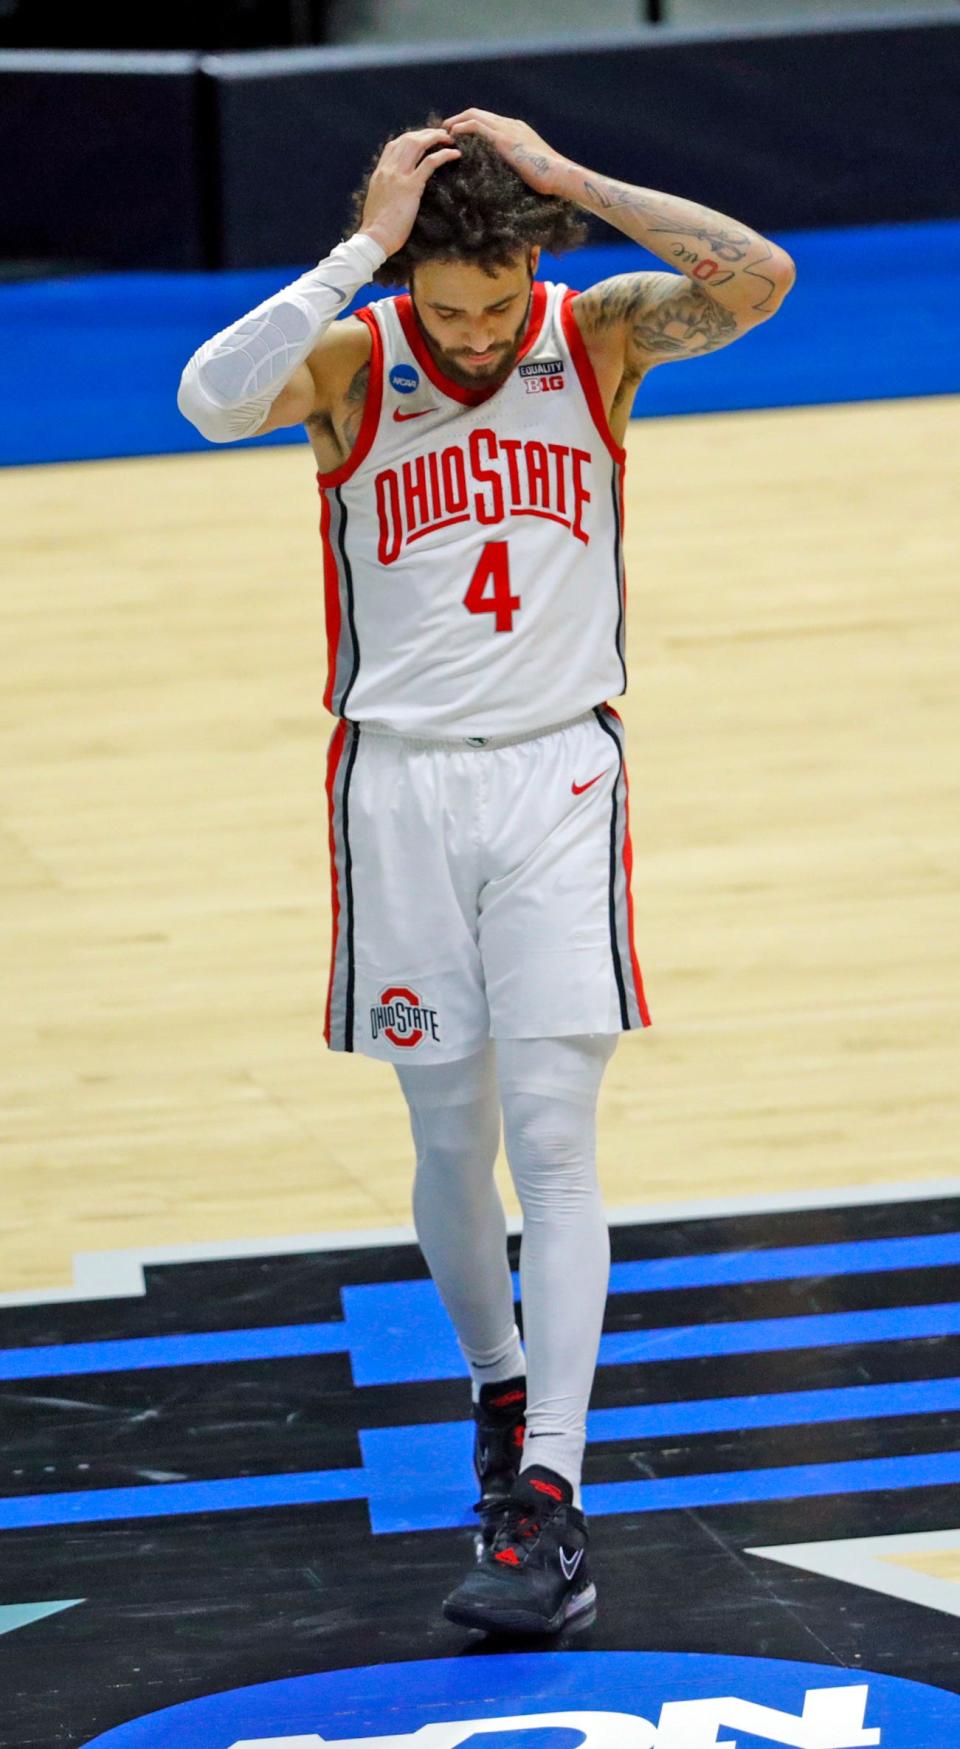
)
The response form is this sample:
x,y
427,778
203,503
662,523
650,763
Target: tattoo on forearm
x,y
702,266
725,245
613,194
764,279
732,247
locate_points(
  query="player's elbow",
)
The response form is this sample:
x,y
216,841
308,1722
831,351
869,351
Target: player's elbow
x,y
216,424
782,270
786,270
195,406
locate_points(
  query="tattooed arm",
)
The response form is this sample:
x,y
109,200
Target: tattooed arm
x,y
733,277
645,319
740,271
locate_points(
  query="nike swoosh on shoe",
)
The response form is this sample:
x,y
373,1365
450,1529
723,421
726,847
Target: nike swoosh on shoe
x,y
570,1563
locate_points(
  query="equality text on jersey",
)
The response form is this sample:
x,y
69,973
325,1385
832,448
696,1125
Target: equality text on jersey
x,y
485,481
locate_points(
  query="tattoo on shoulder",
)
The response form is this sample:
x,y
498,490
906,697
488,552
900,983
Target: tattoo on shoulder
x,y
356,400
359,383
666,317
341,427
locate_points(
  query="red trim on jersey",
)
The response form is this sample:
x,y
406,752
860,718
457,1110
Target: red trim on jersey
x,y
331,599
588,380
423,356
628,868
623,560
371,409
334,756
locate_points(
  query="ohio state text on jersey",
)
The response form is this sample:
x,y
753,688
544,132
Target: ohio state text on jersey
x,y
473,565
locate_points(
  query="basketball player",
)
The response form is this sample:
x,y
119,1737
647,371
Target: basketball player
x,y
469,440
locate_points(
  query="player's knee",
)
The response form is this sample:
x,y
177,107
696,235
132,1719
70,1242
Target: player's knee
x,y
547,1139
456,1161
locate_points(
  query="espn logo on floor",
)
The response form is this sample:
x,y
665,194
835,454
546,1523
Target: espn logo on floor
x,y
832,1718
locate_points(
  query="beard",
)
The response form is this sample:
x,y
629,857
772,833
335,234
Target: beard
x,y
453,363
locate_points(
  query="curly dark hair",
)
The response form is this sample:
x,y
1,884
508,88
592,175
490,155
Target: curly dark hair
x,y
476,209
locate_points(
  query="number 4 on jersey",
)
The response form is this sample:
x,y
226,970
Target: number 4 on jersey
x,y
489,590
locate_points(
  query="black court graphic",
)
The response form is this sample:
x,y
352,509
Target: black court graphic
x,y
258,1472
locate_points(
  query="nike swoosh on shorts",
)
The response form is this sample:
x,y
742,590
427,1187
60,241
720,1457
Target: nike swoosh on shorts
x,y
578,788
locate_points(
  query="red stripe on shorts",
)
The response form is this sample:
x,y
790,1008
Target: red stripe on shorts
x,y
334,756
628,869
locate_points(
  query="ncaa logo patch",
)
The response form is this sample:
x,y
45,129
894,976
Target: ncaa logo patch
x,y
569,1700
403,1018
404,378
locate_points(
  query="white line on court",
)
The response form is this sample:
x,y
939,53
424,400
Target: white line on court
x,y
865,1561
107,1275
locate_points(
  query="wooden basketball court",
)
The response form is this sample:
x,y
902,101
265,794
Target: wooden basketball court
x,y
235,1462
793,723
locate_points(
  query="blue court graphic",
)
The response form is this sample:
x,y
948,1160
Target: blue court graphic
x,y
397,1332
587,1700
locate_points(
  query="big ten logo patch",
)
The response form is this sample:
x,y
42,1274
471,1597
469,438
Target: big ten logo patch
x,y
543,375
403,1019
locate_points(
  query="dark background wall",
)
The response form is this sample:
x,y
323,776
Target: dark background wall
x,y
103,161
249,160
786,130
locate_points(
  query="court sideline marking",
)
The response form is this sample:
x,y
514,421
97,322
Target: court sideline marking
x,y
107,1275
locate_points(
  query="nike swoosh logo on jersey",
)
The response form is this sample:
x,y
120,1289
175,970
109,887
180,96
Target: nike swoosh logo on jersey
x,y
399,417
570,1563
578,788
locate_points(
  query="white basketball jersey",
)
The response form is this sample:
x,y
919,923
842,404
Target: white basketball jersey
x,y
472,542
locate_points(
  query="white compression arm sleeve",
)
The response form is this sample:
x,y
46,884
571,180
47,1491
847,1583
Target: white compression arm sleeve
x,y
231,382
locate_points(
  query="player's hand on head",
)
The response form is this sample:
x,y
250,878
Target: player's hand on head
x,y
393,195
517,143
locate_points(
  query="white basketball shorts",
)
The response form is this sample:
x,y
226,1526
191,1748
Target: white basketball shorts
x,y
479,890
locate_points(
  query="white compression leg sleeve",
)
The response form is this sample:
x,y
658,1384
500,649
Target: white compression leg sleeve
x,y
232,381
455,1118
549,1089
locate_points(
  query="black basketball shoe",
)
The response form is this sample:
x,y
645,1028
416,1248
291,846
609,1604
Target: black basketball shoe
x,y
533,1577
497,1449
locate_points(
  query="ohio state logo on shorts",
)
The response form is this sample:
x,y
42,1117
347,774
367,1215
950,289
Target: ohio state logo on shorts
x,y
403,1019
